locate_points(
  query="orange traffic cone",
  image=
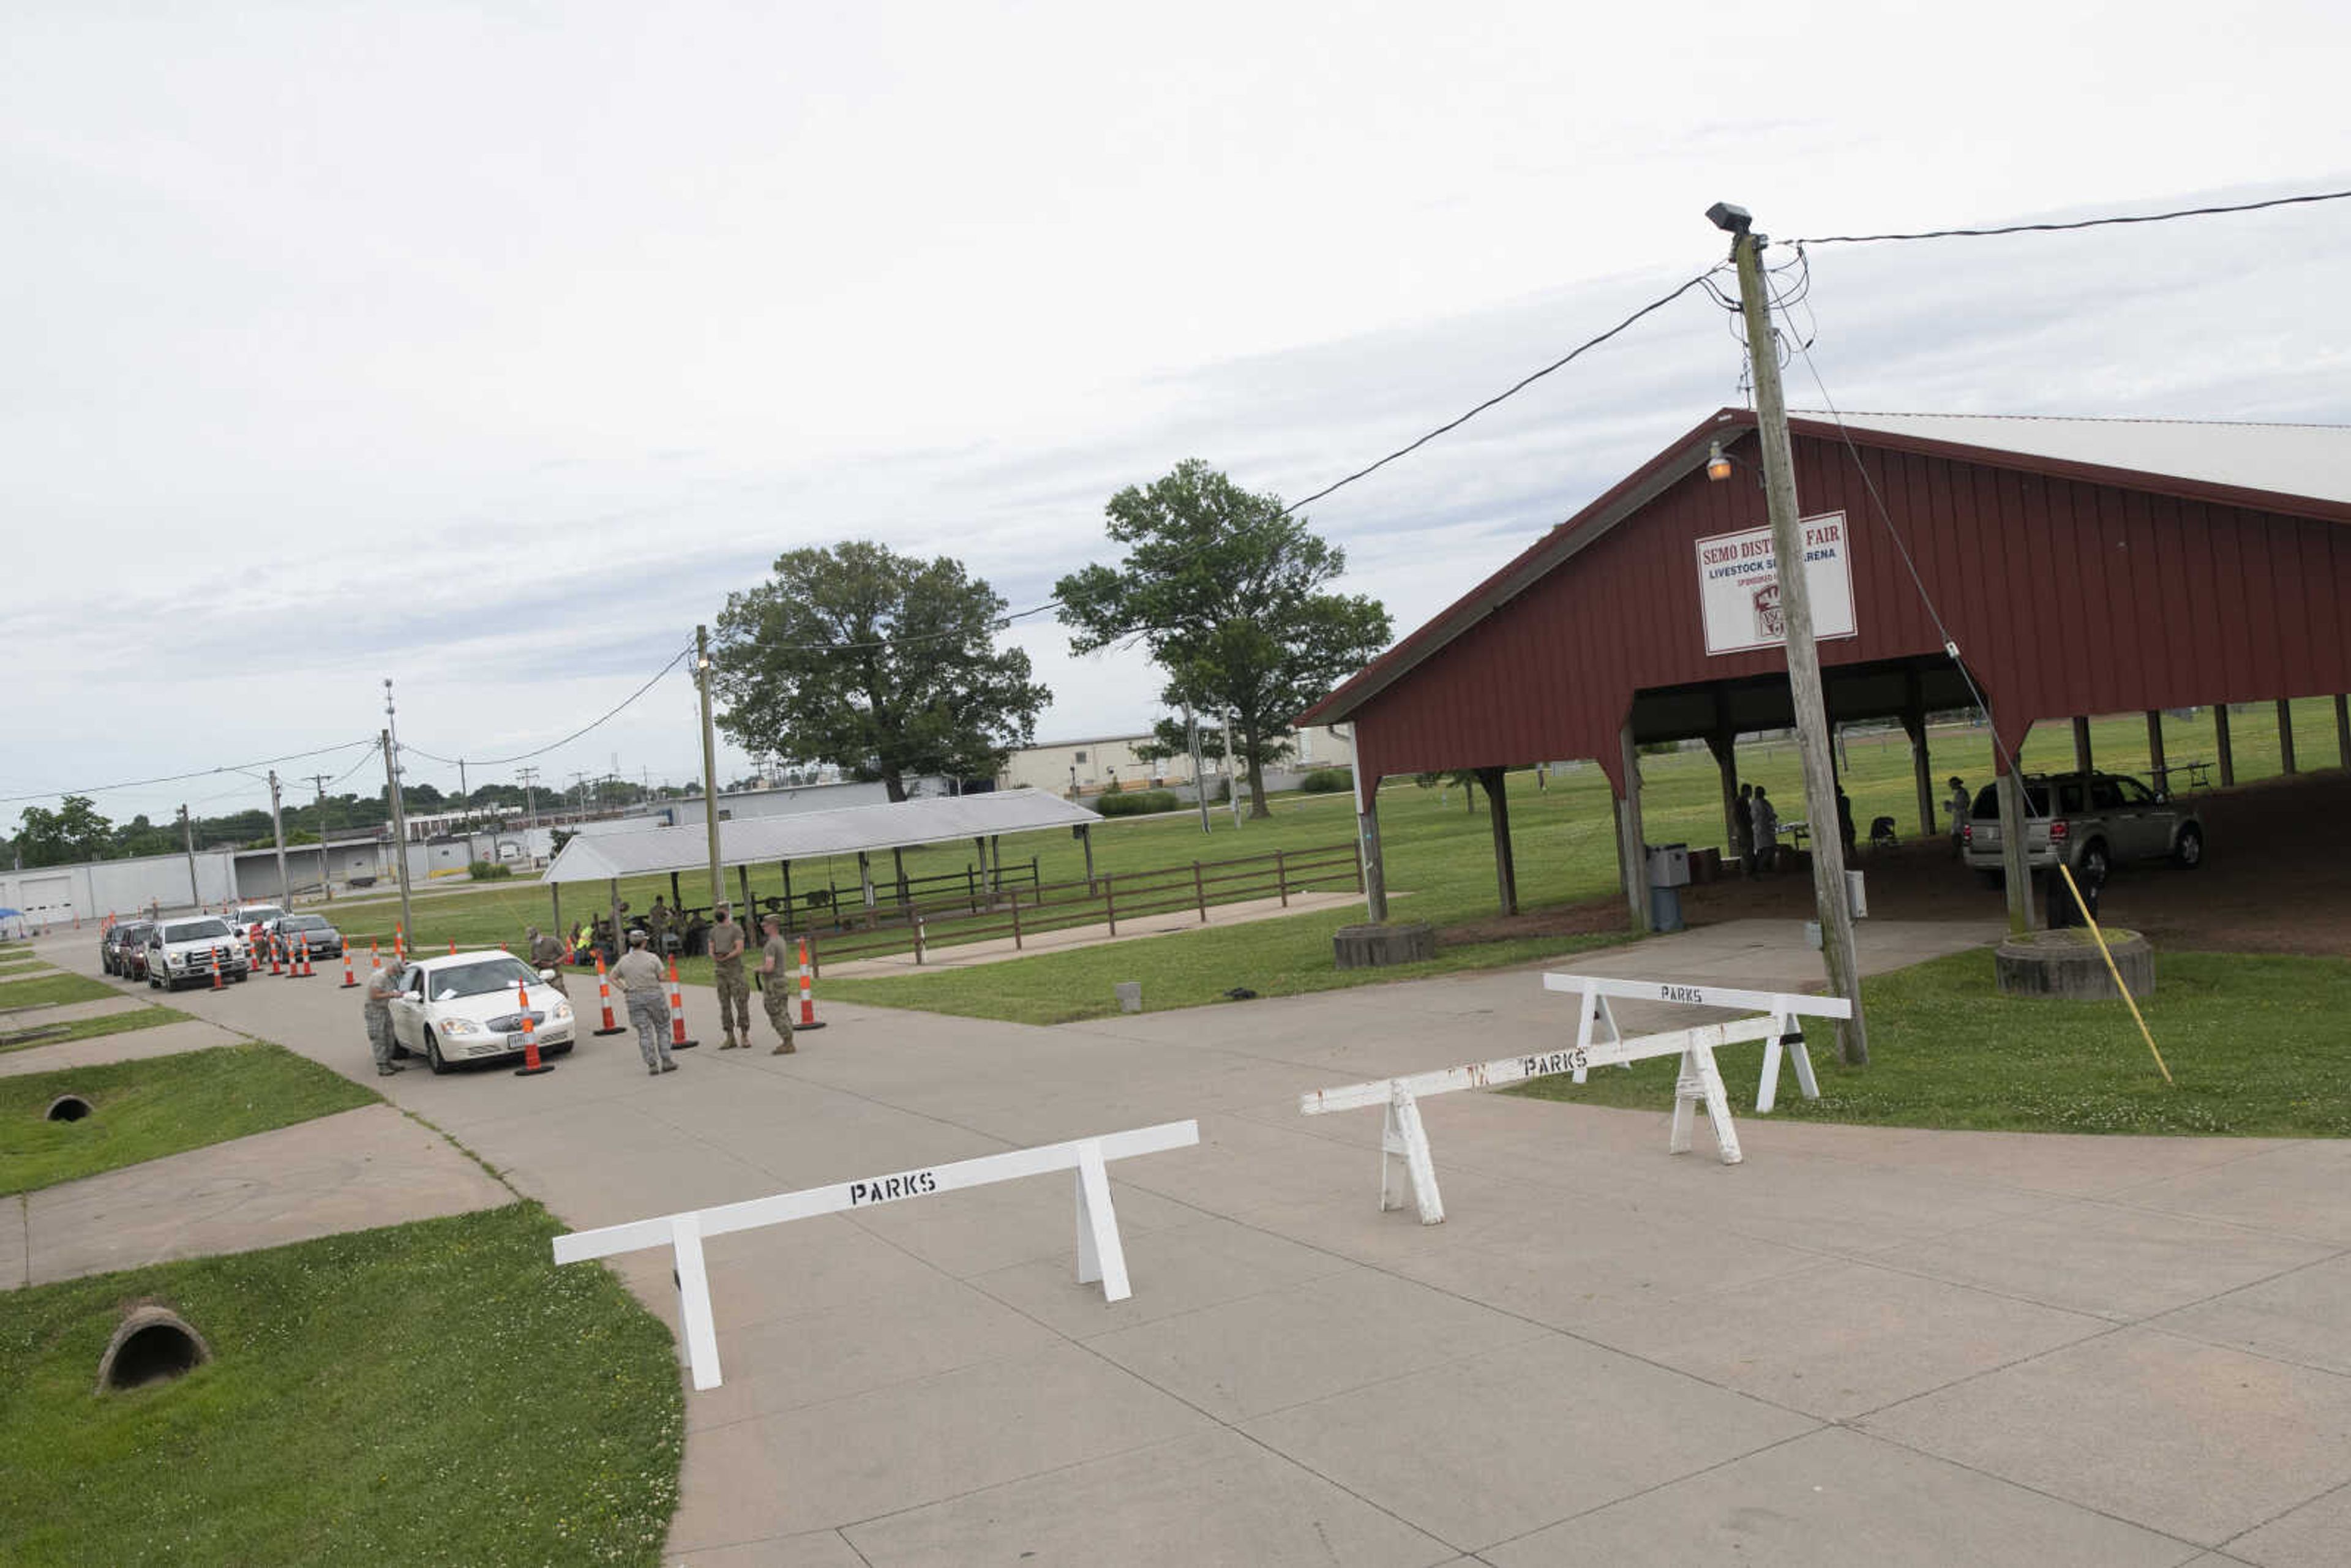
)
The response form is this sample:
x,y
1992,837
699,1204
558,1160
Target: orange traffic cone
x,y
216,982
274,968
677,1040
604,995
808,1020
349,978
452,948
303,970
398,938
531,1065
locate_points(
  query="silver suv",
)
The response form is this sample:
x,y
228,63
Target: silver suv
x,y
2101,821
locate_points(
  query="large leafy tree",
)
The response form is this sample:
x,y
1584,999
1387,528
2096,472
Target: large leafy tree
x,y
1225,590
879,664
73,833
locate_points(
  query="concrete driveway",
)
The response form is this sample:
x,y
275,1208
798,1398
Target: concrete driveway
x,y
1860,1346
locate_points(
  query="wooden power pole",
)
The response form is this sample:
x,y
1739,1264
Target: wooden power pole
x,y
709,770
1796,605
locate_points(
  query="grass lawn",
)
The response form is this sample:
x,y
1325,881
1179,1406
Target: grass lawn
x,y
53,989
431,1393
2255,1044
141,1109
90,1029
1274,958
1438,854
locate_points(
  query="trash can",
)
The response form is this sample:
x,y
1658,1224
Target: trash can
x,y
1669,872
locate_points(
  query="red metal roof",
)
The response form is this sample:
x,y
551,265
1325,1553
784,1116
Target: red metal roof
x,y
2071,587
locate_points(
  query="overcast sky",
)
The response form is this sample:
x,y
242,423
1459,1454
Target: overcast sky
x,y
488,348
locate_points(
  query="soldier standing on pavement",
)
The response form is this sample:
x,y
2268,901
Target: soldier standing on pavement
x,y
547,954
383,986
775,963
639,975
733,986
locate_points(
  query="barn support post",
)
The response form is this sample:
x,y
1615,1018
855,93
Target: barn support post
x,y
676,899
2156,763
2285,734
1724,744
619,936
1632,858
2220,744
1086,837
1368,828
750,910
2081,744
1922,766
2343,729
1506,871
2013,829
791,921
865,879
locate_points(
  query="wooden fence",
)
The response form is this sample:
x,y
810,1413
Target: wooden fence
x,y
1106,899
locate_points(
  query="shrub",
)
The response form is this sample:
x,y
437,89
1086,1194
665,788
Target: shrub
x,y
1327,781
1137,803
489,871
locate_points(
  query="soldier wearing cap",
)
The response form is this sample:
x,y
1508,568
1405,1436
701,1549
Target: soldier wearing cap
x,y
639,975
734,986
548,955
384,984
775,965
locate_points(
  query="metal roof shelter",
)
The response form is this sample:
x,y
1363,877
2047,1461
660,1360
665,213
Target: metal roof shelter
x,y
761,841
2081,566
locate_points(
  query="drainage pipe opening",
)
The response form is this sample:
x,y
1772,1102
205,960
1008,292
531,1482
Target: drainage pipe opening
x,y
67,1108
154,1345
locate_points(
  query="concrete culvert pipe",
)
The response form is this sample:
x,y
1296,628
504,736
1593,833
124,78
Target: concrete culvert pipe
x,y
67,1108
154,1345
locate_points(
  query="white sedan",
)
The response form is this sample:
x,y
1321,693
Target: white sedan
x,y
467,1007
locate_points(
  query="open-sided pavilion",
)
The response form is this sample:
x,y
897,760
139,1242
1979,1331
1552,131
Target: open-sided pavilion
x,y
2071,567
861,831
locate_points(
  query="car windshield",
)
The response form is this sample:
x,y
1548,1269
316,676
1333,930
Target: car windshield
x,y
133,932
479,979
305,923
195,930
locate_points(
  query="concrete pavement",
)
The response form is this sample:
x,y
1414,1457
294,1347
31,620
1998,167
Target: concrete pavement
x,y
1861,1346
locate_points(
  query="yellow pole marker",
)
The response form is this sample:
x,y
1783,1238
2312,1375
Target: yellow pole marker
x,y
2100,938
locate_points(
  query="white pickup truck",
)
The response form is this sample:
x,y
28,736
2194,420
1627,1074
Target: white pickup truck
x,y
182,952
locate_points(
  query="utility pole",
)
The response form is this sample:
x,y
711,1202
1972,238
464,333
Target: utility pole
x,y
188,837
278,830
464,796
529,777
1199,772
1232,772
399,824
709,761
1796,606
326,882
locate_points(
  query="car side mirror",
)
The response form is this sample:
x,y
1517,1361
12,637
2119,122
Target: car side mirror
x,y
547,975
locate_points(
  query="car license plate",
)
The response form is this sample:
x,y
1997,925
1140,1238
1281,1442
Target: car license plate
x,y
515,1042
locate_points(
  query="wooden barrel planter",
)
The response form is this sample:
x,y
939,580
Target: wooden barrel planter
x,y
2066,964
1375,946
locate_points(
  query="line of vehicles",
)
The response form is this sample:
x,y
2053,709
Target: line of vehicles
x,y
171,952
456,1008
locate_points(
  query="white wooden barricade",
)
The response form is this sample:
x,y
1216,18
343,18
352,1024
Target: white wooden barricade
x,y
1404,1156
1100,1255
1782,1006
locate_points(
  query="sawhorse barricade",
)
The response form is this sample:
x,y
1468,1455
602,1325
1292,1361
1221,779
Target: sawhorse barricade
x,y
1404,1142
1782,1007
1100,1255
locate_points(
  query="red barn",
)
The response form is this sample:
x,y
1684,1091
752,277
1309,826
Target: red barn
x,y
2072,566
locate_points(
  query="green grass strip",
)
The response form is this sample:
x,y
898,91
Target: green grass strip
x,y
162,1105
1277,957
90,1029
2254,1041
53,990
438,1392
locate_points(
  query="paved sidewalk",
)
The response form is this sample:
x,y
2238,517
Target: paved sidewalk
x,y
1863,1347
351,1171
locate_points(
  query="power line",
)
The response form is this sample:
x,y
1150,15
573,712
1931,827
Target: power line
x,y
2084,223
1570,356
183,777
609,714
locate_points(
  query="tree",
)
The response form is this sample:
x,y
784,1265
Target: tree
x,y
1222,587
73,833
879,664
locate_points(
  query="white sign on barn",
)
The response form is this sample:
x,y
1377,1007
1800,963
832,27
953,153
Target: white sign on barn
x,y
1738,585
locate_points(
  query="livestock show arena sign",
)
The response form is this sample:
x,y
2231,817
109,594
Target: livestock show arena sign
x,y
1738,585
